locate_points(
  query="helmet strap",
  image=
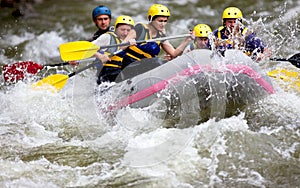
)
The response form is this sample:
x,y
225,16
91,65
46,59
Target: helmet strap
x,y
150,19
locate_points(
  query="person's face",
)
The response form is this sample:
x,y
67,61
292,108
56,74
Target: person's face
x,y
122,31
102,21
201,42
230,24
160,22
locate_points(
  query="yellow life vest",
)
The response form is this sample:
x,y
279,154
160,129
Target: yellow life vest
x,y
228,41
115,60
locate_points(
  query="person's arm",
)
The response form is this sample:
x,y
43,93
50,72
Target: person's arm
x,y
187,48
102,57
169,49
130,38
103,40
133,35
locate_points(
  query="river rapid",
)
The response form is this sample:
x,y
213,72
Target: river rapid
x,y
64,140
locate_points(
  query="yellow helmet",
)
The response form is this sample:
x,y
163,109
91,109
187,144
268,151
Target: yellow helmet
x,y
202,30
158,10
123,19
232,12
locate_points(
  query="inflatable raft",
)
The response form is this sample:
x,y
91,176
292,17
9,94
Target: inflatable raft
x,y
195,86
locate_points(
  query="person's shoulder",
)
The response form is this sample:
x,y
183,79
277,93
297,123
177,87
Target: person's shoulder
x,y
96,35
105,35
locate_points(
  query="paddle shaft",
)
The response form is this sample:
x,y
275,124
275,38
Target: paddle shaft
x,y
56,65
67,63
149,40
278,59
83,69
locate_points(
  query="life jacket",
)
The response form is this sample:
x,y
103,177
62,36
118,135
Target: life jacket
x,y
115,60
229,43
221,32
143,50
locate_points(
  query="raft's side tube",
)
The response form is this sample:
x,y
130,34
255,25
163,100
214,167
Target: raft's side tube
x,y
198,64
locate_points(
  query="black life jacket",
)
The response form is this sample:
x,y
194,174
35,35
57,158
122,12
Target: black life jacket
x,y
100,32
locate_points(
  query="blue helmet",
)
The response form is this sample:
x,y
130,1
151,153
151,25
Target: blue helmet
x,y
101,9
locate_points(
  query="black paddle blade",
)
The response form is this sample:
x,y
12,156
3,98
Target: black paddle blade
x,y
295,60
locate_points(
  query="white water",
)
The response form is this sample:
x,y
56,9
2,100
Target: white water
x,y
63,140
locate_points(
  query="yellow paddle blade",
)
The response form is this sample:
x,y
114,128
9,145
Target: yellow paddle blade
x,y
53,83
290,77
283,74
73,51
